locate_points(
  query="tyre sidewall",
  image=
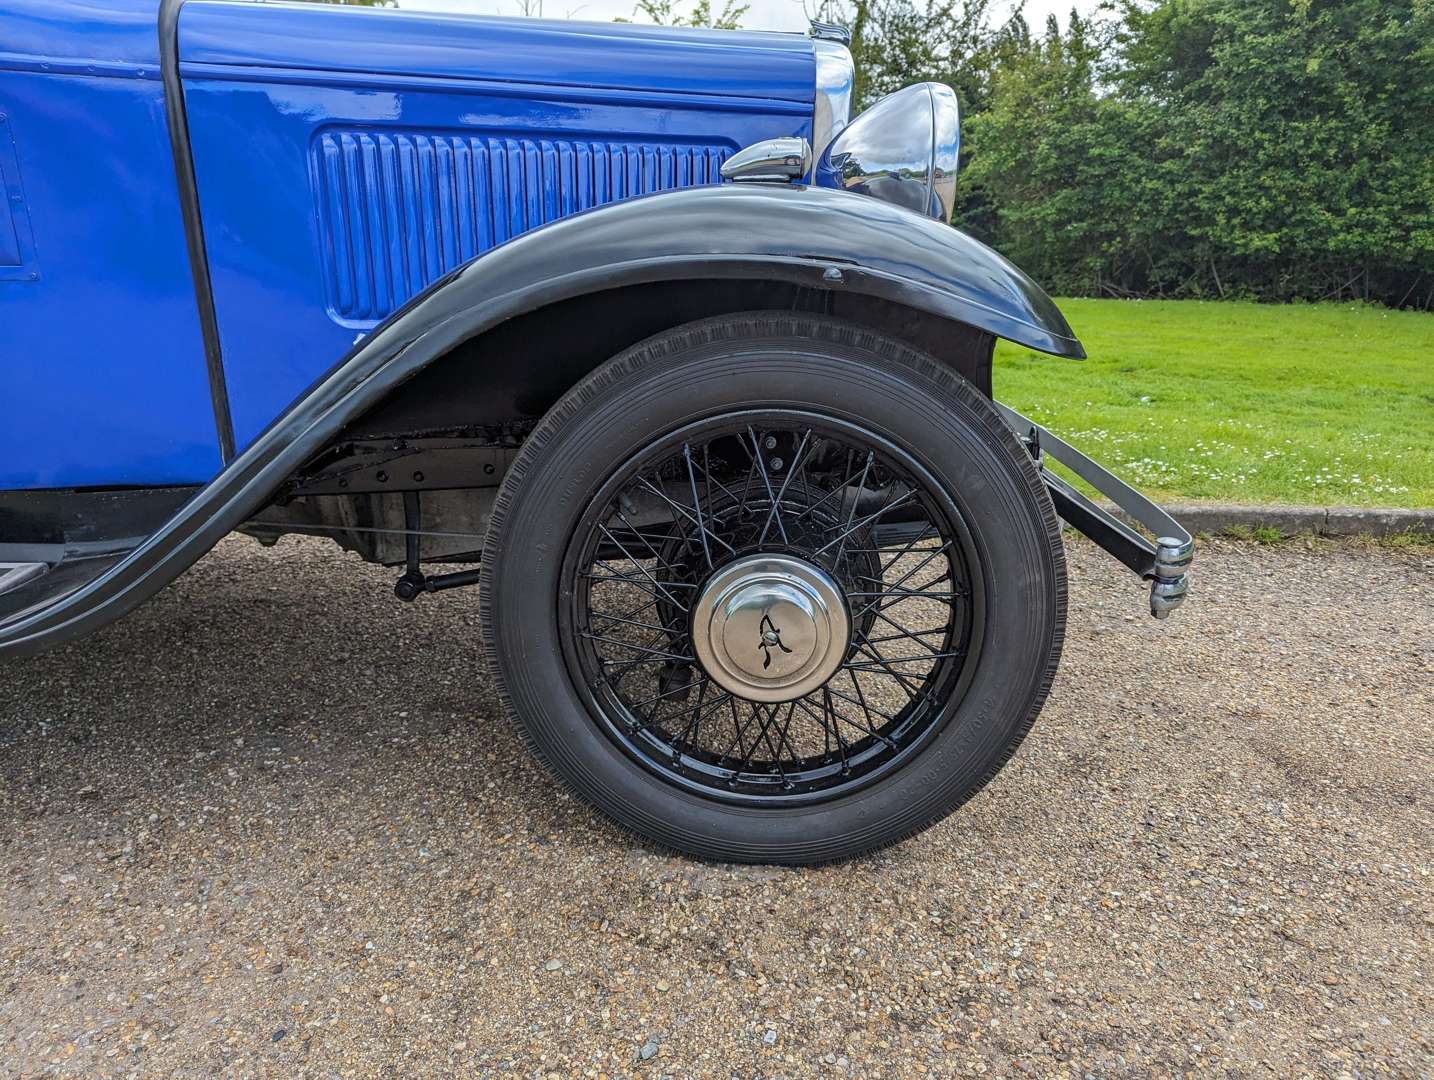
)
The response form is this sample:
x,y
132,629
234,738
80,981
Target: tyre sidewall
x,y
841,371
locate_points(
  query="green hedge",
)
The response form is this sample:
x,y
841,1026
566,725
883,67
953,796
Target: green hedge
x,y
1260,149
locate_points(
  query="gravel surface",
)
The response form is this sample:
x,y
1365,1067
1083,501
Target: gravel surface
x,y
274,824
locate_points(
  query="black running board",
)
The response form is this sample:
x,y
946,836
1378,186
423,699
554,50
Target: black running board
x,y
30,590
55,542
1165,562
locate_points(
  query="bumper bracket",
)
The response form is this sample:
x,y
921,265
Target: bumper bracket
x,y
1165,563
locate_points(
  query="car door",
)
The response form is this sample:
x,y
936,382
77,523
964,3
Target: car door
x,y
102,366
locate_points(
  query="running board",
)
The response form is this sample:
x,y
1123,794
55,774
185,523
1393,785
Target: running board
x,y
15,574
1165,562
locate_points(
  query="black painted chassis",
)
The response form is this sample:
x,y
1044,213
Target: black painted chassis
x,y
1164,562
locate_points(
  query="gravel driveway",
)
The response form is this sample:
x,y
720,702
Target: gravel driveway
x,y
274,824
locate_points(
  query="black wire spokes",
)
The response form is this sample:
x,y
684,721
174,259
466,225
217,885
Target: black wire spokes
x,y
857,511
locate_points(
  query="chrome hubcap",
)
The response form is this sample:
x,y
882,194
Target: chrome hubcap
x,y
770,627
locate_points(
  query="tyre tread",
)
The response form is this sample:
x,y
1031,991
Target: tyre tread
x,y
745,327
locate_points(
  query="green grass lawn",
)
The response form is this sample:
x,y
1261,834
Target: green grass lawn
x,y
1324,404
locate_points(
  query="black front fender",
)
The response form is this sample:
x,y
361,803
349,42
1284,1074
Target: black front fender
x,y
812,237
808,236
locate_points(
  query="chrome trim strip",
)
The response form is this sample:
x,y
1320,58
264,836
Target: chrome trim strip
x,y
836,75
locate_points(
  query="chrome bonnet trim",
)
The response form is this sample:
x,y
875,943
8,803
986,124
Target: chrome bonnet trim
x,y
836,76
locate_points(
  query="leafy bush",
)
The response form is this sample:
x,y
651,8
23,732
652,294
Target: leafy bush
x,y
1263,149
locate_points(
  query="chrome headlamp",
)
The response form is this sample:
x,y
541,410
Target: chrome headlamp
x,y
903,150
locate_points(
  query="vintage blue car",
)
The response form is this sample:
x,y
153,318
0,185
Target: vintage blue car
x,y
638,320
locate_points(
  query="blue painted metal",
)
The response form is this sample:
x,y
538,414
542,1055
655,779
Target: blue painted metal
x,y
347,157
399,209
17,240
518,53
100,361
80,37
101,337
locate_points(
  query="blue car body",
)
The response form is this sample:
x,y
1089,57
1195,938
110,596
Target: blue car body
x,y
345,159
247,250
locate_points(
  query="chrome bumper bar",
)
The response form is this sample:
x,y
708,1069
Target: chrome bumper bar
x,y
1165,563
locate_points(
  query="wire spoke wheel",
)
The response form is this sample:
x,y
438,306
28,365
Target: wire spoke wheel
x,y
773,587
771,607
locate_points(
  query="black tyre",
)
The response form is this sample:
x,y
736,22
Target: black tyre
x,y
774,588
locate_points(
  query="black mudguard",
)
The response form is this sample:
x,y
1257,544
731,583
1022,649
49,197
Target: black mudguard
x,y
812,237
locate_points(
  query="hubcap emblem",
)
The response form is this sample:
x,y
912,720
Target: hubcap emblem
x,y
770,636
794,612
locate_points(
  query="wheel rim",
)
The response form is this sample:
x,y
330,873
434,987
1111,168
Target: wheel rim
x,y
771,607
